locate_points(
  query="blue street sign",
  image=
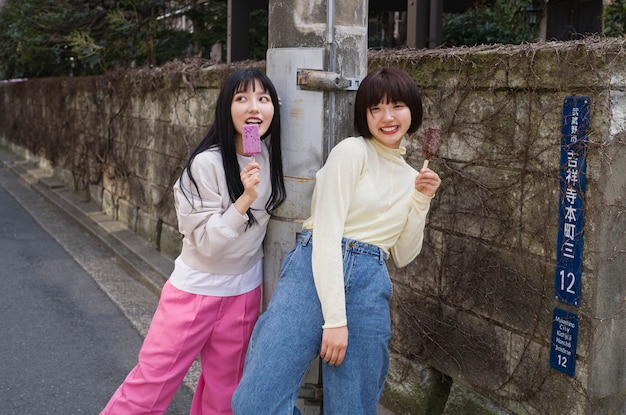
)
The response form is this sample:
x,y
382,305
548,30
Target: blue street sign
x,y
569,252
564,339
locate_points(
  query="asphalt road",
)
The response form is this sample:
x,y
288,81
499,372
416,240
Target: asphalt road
x,y
65,344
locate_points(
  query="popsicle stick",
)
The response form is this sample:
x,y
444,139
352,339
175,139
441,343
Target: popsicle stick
x,y
425,164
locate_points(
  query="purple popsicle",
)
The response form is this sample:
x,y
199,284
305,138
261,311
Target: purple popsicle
x,y
251,140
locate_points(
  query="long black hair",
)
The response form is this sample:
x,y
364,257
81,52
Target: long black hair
x,y
221,136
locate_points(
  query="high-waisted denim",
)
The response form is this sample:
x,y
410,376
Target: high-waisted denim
x,y
287,337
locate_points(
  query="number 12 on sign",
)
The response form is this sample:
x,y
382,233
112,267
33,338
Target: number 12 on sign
x,y
574,143
564,341
568,282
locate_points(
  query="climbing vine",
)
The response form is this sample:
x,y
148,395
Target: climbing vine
x,y
477,303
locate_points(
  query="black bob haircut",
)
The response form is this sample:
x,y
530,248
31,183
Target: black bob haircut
x,y
387,85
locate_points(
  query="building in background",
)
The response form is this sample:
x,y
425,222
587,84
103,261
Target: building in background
x,y
571,19
419,23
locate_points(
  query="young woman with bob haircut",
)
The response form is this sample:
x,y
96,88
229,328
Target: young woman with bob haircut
x,y
332,298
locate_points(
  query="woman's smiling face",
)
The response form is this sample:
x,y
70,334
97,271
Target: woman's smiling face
x,y
388,122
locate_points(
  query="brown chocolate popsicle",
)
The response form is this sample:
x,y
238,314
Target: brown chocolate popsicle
x,y
431,144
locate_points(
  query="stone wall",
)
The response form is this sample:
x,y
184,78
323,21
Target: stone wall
x,y
472,315
120,139
477,304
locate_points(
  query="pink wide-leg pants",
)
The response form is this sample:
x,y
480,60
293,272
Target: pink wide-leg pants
x,y
183,326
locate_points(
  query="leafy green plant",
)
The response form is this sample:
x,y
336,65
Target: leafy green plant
x,y
85,48
614,18
503,22
41,38
34,46
210,26
258,34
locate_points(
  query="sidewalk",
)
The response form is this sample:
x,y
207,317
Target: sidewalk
x,y
146,264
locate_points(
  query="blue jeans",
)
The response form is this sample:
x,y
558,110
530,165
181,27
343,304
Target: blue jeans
x,y
287,337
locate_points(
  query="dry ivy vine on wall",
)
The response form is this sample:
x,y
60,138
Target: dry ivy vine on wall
x,y
477,304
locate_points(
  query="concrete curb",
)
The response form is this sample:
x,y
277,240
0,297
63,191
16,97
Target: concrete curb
x,y
143,262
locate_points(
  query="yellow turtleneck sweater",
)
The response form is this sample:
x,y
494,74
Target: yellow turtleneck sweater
x,y
365,192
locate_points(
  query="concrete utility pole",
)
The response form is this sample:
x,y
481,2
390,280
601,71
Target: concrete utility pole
x,y
317,57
